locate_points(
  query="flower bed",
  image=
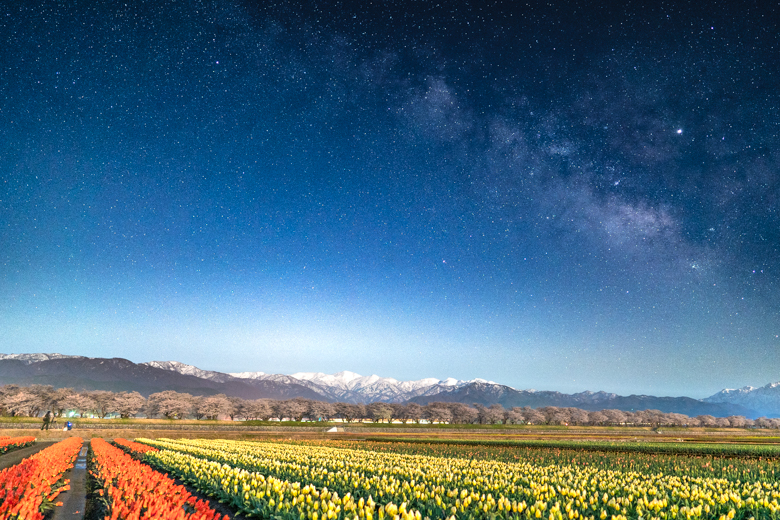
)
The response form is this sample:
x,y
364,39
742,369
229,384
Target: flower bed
x,y
11,443
134,490
28,489
259,496
294,481
133,448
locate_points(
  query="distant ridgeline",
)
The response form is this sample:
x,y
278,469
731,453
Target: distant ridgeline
x,y
121,375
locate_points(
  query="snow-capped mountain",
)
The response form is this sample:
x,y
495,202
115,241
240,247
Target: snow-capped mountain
x,y
368,388
34,358
765,399
351,387
189,370
728,394
344,386
324,391
117,374
249,375
356,388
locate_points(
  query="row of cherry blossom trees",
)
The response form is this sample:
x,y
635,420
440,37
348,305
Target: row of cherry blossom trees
x,y
34,400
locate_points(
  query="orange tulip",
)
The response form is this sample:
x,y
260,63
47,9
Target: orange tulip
x,y
9,443
134,448
136,491
29,488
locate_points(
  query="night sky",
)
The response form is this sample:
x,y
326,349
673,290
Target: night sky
x,y
563,196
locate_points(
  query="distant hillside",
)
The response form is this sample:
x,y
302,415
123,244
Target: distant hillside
x,y
487,394
117,375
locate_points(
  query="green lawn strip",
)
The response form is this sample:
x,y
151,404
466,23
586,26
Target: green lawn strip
x,y
688,434
717,449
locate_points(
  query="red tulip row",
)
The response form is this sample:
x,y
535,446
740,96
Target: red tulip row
x,y
10,443
134,447
28,489
134,490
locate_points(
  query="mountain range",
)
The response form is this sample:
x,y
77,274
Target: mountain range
x,y
117,374
765,399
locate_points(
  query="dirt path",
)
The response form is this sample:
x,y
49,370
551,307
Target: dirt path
x,y
74,500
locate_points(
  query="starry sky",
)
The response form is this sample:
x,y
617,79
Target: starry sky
x,y
561,196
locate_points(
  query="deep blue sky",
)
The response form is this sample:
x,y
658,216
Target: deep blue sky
x,y
565,196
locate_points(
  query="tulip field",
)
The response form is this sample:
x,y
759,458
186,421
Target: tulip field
x,y
11,443
318,481
634,458
134,490
133,447
28,489
365,480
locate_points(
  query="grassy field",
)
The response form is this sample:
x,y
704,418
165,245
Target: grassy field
x,y
539,435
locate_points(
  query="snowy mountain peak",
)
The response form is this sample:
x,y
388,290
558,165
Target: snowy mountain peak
x,y
34,358
343,380
346,375
485,381
353,387
736,391
248,375
765,400
188,370
175,366
342,386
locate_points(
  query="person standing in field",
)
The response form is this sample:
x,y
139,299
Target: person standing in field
x,y
46,420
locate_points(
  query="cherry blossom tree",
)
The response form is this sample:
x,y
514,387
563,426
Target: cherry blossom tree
x,y
102,400
170,404
213,406
127,404
437,413
257,409
463,414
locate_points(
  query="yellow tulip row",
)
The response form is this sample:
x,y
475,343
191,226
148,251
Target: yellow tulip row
x,y
263,496
438,487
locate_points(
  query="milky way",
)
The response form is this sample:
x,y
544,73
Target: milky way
x,y
565,197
